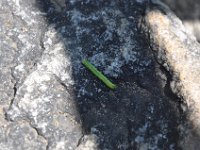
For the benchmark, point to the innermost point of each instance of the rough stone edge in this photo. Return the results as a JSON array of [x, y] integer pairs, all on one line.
[[179, 52]]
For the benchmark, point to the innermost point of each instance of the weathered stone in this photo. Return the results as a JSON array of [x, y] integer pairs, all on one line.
[[88, 142], [20, 135], [179, 53], [189, 12], [51, 99]]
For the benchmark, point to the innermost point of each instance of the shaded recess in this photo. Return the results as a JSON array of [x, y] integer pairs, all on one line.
[[139, 113], [58, 102], [185, 9]]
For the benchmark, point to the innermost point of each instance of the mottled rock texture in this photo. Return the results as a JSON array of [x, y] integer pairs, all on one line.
[[179, 53], [48, 100], [189, 12]]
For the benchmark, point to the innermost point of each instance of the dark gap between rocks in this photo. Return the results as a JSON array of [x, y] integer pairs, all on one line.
[[139, 113]]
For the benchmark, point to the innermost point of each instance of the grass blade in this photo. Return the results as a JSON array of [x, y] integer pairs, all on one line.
[[98, 74]]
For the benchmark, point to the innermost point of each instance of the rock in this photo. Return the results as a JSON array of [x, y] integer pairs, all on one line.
[[26, 76], [179, 53], [88, 142], [55, 103], [20, 135], [189, 12]]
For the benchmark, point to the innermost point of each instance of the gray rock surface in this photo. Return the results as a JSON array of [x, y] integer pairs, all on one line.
[[179, 52], [50, 101], [189, 12]]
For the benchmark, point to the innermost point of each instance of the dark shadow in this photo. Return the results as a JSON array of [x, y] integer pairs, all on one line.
[[141, 112], [185, 9]]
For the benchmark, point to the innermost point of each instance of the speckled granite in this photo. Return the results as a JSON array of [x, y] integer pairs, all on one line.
[[50, 101]]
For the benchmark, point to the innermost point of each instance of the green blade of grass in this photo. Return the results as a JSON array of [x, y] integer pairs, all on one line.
[[98, 74]]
